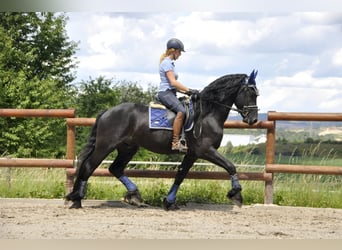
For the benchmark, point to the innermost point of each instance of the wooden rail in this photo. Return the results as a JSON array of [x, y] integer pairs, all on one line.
[[39, 163], [240, 124], [303, 169], [207, 175], [298, 116], [57, 113]]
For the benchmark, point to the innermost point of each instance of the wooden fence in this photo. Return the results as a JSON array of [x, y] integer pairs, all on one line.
[[71, 128], [266, 176], [272, 168]]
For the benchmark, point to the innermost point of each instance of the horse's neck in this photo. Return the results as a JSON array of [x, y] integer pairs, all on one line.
[[220, 109], [221, 117], [219, 113], [227, 104]]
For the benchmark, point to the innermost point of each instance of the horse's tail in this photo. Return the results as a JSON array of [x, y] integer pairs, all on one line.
[[89, 147]]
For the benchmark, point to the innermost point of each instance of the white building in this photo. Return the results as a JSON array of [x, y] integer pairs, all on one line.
[[241, 140]]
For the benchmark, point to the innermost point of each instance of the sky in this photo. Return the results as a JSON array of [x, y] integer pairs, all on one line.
[[298, 55]]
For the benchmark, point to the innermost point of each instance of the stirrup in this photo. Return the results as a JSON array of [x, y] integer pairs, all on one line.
[[179, 146]]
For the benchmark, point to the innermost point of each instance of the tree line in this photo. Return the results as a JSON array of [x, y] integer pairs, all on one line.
[[38, 66]]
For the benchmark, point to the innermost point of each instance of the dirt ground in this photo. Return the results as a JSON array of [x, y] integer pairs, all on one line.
[[51, 219]]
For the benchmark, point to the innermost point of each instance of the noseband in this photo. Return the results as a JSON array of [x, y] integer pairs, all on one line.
[[246, 110]]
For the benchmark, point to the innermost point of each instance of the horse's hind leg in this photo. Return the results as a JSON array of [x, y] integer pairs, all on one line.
[[125, 154], [85, 170]]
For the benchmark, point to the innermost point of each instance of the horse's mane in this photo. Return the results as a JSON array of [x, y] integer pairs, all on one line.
[[223, 87]]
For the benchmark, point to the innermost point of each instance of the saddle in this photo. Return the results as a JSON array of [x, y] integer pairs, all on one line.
[[160, 117]]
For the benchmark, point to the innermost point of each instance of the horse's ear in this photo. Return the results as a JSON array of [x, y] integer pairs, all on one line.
[[252, 76]]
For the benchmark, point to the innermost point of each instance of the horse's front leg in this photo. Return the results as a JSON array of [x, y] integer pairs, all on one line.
[[169, 203], [235, 193]]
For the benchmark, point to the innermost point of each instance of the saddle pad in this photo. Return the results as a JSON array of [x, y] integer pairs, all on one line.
[[161, 118], [158, 118]]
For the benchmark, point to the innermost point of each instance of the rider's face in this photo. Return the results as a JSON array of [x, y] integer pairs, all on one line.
[[177, 54]]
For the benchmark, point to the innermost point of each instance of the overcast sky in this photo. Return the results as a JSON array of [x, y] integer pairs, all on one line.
[[298, 54]]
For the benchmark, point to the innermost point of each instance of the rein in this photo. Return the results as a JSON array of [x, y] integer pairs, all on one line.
[[223, 105], [243, 112]]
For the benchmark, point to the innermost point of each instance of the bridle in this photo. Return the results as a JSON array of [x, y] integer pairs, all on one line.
[[246, 109]]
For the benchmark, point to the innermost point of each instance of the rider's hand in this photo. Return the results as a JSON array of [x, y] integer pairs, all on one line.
[[193, 92]]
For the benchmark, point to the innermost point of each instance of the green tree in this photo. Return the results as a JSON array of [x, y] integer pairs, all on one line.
[[95, 95], [38, 46], [101, 93], [132, 92], [36, 71]]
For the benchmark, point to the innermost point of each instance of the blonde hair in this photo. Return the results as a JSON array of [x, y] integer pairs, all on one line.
[[166, 54]]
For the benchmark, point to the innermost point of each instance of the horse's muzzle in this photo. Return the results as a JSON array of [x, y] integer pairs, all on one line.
[[250, 114], [250, 121]]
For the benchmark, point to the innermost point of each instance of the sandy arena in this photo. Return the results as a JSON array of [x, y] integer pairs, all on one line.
[[50, 219]]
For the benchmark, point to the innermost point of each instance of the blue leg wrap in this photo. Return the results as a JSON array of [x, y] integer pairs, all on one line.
[[235, 182], [171, 197], [128, 183]]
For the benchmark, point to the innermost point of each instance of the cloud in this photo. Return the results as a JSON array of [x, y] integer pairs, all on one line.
[[321, 18], [298, 54], [337, 58], [217, 36], [302, 92], [305, 79]]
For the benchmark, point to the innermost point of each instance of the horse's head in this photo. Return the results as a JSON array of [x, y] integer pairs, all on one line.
[[246, 99]]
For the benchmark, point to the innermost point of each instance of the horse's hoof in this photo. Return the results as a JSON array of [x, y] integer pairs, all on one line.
[[73, 196], [169, 206], [235, 196], [134, 198], [76, 204], [68, 197]]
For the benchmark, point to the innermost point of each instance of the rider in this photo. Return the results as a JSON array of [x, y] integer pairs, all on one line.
[[168, 87]]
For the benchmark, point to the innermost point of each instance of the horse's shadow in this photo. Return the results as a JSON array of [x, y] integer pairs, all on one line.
[[191, 206]]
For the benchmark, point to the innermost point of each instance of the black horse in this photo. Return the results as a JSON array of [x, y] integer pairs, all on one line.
[[126, 128]]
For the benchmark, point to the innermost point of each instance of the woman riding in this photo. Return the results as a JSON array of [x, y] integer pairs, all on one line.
[[168, 87]]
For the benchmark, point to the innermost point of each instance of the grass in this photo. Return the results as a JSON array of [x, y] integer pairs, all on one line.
[[32, 183], [308, 190], [289, 189]]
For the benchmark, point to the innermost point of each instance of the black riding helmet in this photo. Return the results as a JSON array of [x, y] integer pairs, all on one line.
[[175, 43]]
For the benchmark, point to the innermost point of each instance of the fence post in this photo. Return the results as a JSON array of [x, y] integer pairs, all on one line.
[[270, 151], [70, 154]]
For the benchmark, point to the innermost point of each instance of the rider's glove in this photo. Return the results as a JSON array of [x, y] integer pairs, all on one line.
[[193, 92]]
